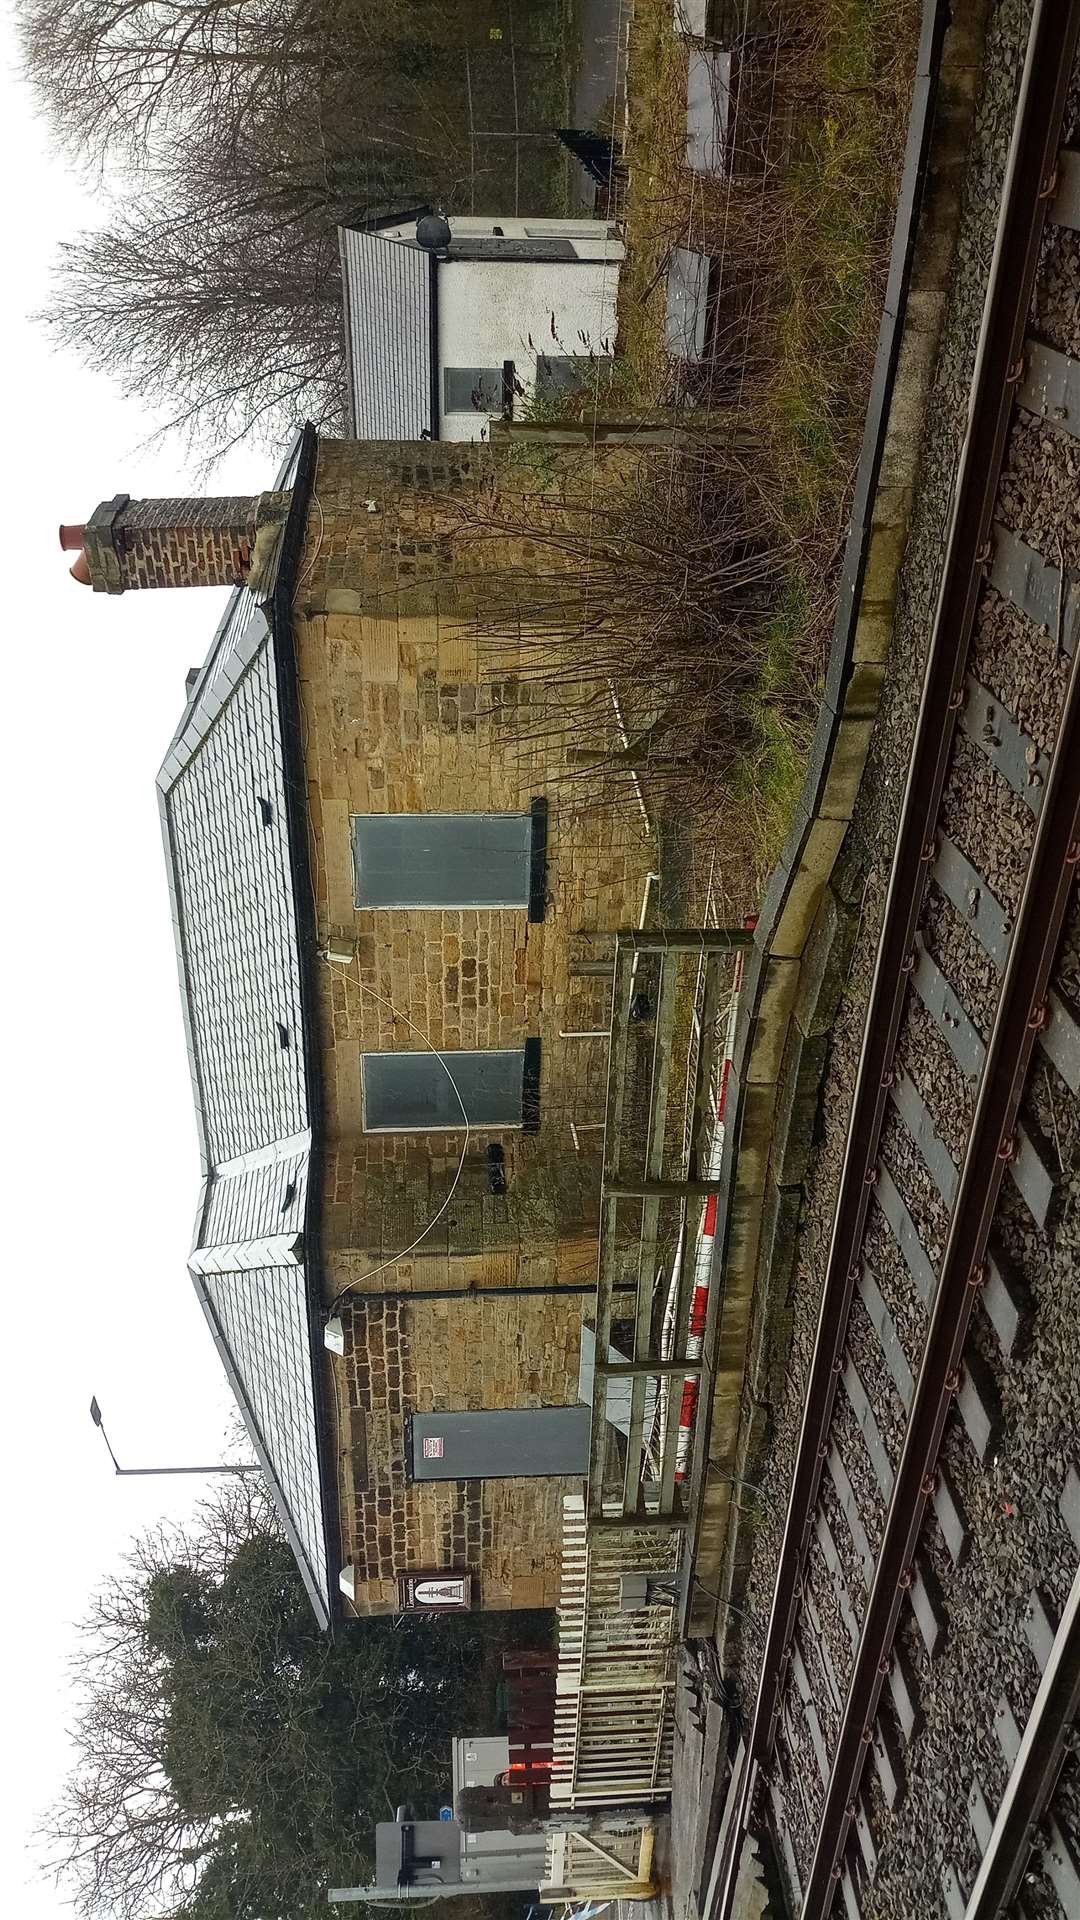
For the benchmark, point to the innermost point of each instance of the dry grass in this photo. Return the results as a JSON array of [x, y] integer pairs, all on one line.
[[657, 183], [681, 596], [803, 244]]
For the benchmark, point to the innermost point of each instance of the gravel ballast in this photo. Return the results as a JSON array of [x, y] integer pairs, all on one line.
[[1017, 1541]]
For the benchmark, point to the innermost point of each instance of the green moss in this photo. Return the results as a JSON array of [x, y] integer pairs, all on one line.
[[779, 726]]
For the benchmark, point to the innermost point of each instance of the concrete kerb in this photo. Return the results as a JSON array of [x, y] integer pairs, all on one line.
[[796, 968]]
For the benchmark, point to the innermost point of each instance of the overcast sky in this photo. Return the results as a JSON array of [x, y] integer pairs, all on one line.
[[100, 1155]]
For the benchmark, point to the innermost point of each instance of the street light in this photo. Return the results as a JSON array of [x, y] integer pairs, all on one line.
[[243, 1467]]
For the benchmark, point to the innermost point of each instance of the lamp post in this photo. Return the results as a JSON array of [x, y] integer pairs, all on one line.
[[243, 1467]]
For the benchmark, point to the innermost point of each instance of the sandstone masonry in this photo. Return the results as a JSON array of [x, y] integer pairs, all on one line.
[[460, 1266], [408, 707]]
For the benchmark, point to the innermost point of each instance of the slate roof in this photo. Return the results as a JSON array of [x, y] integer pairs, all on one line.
[[389, 300], [236, 865]]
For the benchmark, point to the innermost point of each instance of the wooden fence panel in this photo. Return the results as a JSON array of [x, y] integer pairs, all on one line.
[[609, 1865], [529, 1679]]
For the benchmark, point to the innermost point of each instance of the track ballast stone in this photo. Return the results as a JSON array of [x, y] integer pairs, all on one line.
[[985, 1652]]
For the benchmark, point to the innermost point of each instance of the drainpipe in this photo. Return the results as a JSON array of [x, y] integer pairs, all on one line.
[[472, 1292]]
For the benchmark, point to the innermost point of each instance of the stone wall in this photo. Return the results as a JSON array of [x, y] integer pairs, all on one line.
[[424, 1356], [408, 706]]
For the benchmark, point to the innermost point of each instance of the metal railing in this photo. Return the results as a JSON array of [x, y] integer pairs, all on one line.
[[646, 1267]]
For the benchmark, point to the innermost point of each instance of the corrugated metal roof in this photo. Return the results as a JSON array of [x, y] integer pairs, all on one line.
[[222, 797], [388, 323]]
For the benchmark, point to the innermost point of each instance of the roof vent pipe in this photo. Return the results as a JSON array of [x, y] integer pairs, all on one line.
[[433, 233]]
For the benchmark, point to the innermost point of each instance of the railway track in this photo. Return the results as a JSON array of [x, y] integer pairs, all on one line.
[[922, 1291]]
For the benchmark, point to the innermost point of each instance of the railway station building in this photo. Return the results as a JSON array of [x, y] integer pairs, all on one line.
[[386, 905]]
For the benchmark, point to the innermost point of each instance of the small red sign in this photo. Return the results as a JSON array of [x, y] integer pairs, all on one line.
[[433, 1447]]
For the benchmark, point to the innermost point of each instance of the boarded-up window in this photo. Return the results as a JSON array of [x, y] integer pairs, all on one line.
[[502, 1444], [558, 373], [472, 389], [442, 859], [424, 1092]]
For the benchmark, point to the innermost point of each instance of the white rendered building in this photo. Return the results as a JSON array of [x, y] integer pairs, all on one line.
[[449, 330]]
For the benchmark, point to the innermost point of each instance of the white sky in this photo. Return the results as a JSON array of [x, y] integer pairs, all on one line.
[[100, 1155]]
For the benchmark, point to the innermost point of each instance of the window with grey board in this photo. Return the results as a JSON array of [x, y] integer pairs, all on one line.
[[568, 372], [415, 1093], [442, 859], [501, 1443], [472, 389]]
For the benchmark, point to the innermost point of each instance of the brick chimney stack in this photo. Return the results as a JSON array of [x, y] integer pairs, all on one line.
[[222, 542]]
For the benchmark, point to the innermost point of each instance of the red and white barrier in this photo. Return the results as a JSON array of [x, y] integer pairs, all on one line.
[[703, 1258]]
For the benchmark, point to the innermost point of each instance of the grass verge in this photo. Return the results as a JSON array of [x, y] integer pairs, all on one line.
[[654, 156], [802, 240], [838, 200]]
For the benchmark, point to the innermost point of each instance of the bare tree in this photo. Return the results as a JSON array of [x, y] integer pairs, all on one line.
[[224, 327], [125, 78], [229, 1756], [112, 73], [229, 139], [119, 1834]]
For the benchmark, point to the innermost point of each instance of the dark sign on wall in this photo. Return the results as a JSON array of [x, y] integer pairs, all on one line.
[[435, 1592]]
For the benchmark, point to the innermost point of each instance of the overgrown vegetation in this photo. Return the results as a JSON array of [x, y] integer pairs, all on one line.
[[230, 1758], [798, 230], [646, 613], [213, 290], [655, 156], [838, 199]]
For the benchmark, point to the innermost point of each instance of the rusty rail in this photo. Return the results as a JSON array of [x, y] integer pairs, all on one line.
[[1035, 1772], [1036, 136], [1021, 1013]]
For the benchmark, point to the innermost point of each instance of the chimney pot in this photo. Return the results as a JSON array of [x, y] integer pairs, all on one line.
[[225, 541]]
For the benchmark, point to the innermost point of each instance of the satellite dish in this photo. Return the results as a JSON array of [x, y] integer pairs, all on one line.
[[432, 233]]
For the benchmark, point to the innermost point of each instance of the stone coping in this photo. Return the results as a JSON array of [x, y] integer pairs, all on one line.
[[796, 968]]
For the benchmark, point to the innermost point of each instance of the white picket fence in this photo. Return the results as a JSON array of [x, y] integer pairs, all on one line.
[[615, 1687]]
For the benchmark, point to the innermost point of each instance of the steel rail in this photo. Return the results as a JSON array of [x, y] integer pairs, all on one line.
[[1034, 1772], [1051, 872], [1021, 1014], [1036, 136]]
